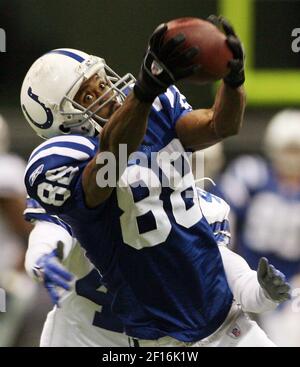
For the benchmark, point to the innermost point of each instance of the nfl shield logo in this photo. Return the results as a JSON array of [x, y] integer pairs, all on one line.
[[235, 332]]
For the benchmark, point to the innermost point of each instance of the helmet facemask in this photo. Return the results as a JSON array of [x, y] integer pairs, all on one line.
[[83, 118]]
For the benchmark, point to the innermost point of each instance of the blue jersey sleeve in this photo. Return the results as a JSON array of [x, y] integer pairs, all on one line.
[[54, 170], [174, 104], [35, 212]]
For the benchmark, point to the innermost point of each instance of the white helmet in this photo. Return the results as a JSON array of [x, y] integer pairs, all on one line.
[[282, 135], [49, 88], [4, 135]]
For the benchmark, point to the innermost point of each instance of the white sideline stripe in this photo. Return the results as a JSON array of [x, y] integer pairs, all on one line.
[[71, 139], [67, 152]]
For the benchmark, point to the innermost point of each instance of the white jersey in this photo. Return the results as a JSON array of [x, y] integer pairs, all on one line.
[[12, 170], [78, 320], [73, 324]]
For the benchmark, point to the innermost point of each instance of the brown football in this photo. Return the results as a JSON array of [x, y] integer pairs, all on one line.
[[214, 53]]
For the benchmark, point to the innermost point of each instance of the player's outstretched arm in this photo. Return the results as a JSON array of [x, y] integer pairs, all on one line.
[[254, 291], [126, 126], [160, 68], [48, 245], [204, 127]]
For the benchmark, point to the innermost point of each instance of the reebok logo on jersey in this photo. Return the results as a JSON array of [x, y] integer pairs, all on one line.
[[35, 174]]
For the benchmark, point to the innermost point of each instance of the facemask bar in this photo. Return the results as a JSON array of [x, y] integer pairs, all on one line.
[[80, 115], [119, 89]]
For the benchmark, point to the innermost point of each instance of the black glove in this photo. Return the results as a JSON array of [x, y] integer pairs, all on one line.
[[272, 282], [236, 76], [163, 65]]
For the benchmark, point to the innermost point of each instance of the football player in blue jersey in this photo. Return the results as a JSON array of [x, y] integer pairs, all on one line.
[[264, 195], [156, 253], [86, 307]]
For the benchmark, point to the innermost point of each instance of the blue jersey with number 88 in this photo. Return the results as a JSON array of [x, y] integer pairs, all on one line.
[[155, 250]]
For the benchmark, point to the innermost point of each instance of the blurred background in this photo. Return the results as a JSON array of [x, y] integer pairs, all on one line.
[[246, 168]]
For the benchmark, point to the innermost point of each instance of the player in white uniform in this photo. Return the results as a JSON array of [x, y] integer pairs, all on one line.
[[83, 318], [14, 232], [12, 191], [72, 324]]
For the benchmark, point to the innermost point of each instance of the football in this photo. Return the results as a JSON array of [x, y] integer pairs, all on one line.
[[214, 54]]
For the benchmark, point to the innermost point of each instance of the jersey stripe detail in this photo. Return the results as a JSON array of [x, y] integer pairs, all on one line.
[[60, 139], [34, 210], [67, 152], [34, 216], [157, 104], [170, 96]]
